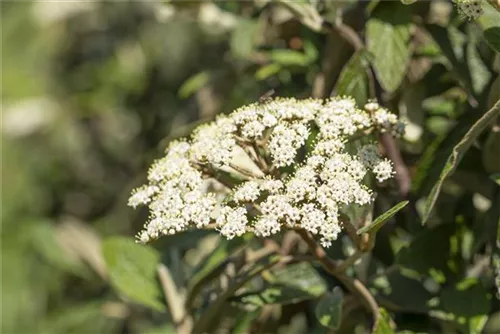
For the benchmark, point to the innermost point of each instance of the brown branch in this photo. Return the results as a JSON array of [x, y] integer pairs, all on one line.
[[354, 285], [402, 173], [346, 32], [207, 318]]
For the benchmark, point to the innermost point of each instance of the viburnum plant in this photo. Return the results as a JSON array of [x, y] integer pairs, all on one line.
[[282, 164]]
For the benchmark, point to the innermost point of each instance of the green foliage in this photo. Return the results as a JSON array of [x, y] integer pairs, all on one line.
[[433, 252], [492, 36], [382, 219], [329, 309], [289, 285], [388, 34], [94, 92], [353, 80], [132, 270], [457, 154], [466, 304], [384, 324]]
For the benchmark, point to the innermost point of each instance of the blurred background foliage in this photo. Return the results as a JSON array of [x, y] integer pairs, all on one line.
[[93, 91]]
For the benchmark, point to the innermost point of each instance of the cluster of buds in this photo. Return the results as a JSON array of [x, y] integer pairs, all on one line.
[[282, 164], [469, 9]]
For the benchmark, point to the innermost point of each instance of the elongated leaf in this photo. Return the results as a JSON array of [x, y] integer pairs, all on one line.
[[329, 309], [377, 223], [384, 323], [132, 270], [457, 154], [193, 84], [353, 80], [288, 57], [388, 34], [479, 73], [492, 36]]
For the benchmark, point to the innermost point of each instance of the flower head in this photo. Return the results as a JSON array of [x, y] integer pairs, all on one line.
[[303, 185]]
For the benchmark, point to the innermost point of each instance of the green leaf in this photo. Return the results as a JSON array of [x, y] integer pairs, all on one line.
[[288, 57], [289, 285], [432, 252], [388, 34], [132, 270], [243, 38], [81, 318], [275, 294], [353, 80], [267, 70], [403, 290], [496, 178], [301, 276], [408, 2], [305, 13], [377, 223], [193, 84], [329, 309], [44, 241], [492, 37], [384, 323], [479, 73], [212, 264], [467, 304], [457, 154]]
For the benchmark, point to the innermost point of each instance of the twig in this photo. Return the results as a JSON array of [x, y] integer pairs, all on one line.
[[207, 318], [350, 260], [348, 33], [402, 174], [175, 301], [352, 284]]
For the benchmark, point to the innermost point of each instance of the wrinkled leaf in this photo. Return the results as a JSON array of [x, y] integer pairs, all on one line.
[[291, 284], [302, 276], [479, 73], [457, 154], [377, 223], [492, 36], [467, 304], [329, 309], [353, 80], [388, 34], [305, 13], [432, 251], [402, 290], [275, 294], [132, 270]]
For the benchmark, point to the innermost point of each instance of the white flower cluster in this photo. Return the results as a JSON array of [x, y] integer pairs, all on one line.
[[329, 174], [470, 9]]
